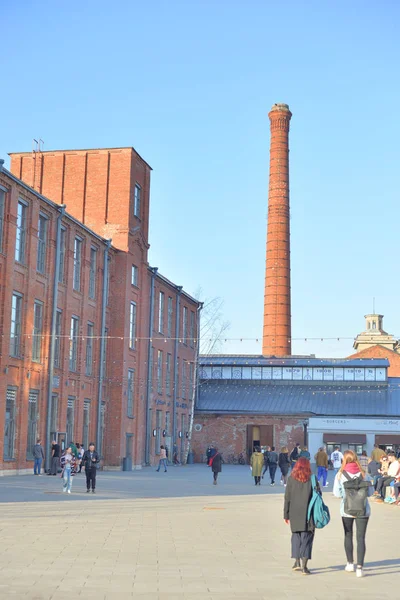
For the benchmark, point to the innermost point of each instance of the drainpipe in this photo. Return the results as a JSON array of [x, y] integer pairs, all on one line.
[[195, 383], [104, 300], [53, 335], [149, 368], [177, 320]]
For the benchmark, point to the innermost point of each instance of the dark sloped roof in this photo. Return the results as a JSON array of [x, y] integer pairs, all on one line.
[[304, 361], [296, 399]]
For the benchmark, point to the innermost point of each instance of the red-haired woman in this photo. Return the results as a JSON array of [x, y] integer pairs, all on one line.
[[297, 497]]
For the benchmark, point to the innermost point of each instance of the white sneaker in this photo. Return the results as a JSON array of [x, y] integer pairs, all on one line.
[[326, 485], [349, 568], [64, 490], [359, 572], [69, 491]]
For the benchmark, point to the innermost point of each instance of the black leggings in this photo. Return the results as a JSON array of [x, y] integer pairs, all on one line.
[[361, 530], [215, 475]]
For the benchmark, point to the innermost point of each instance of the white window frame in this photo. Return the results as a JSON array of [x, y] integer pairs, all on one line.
[[132, 325]]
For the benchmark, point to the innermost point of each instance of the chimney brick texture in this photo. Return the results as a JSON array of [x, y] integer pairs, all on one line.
[[277, 317]]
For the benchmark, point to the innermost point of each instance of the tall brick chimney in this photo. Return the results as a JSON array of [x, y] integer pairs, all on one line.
[[277, 317]]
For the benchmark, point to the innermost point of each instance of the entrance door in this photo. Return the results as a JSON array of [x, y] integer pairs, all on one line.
[[259, 435]]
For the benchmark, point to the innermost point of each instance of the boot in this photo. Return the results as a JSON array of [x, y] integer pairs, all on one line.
[[304, 569], [296, 566]]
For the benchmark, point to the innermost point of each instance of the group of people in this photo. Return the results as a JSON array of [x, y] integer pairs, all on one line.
[[70, 462], [384, 471]]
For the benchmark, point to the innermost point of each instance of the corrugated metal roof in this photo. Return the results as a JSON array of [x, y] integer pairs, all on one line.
[[248, 360], [300, 399]]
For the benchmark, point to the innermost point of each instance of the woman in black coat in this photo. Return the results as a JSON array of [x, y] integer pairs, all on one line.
[[284, 464], [216, 465], [298, 494]]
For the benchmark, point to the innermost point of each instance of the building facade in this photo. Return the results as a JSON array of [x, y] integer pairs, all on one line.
[[80, 332], [248, 401]]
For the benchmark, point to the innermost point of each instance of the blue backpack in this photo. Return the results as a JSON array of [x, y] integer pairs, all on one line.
[[317, 510]]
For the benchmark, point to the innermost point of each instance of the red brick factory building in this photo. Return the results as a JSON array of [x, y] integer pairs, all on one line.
[[94, 343], [280, 399]]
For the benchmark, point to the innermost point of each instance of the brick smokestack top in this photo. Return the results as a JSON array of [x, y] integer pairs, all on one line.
[[277, 318]]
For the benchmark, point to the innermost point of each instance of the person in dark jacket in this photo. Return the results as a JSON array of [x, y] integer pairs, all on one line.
[[55, 457], [298, 494], [216, 465], [267, 452], [294, 455], [273, 464], [284, 464], [90, 461], [38, 456]]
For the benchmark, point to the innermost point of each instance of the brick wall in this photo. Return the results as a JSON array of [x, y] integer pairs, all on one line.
[[229, 433], [381, 352]]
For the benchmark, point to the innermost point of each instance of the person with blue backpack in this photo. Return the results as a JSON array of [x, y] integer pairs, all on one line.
[[353, 487], [303, 509]]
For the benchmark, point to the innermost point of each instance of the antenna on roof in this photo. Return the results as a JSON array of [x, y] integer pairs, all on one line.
[[41, 144]]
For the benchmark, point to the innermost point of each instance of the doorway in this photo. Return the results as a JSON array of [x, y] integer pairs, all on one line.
[[259, 435]]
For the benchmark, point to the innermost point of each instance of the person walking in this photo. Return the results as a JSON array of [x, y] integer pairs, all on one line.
[[216, 465], [68, 466], [256, 462], [364, 460], [351, 469], [294, 455], [336, 459], [55, 457], [284, 464], [266, 460], [38, 457], [90, 460], [321, 459], [305, 453], [377, 453], [273, 464], [298, 494], [81, 455], [163, 459]]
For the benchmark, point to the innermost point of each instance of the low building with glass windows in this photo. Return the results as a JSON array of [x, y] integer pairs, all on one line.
[[248, 401]]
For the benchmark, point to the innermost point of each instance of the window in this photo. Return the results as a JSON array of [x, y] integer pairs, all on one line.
[[77, 263], [168, 375], [169, 317], [86, 423], [184, 379], [92, 273], [2, 205], [137, 207], [16, 315], [42, 243], [37, 331], [61, 266], [9, 424], [158, 431], [191, 382], [131, 390], [32, 422], [168, 422], [20, 239], [159, 371], [373, 324], [73, 343], [57, 346], [70, 419], [54, 413], [135, 275], [132, 325], [89, 350], [184, 324], [191, 334], [161, 313]]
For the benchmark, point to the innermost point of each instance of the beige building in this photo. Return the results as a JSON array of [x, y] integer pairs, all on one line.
[[374, 334]]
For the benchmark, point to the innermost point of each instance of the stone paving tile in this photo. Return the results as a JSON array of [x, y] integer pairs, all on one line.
[[173, 549]]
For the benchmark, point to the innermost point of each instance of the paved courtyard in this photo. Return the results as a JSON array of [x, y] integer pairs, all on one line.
[[174, 536]]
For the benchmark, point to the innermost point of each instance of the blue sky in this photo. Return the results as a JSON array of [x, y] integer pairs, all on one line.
[[189, 84]]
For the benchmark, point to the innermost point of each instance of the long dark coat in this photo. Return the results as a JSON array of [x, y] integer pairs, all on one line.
[[284, 462], [297, 498], [217, 463]]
